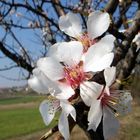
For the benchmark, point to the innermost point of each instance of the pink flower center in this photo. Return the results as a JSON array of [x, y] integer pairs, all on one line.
[[86, 41], [74, 75]]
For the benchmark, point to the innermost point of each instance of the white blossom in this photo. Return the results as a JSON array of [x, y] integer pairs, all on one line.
[[66, 68], [69, 66], [107, 104], [98, 23], [48, 108]]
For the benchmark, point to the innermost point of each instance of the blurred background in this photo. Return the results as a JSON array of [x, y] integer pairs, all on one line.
[[28, 28]]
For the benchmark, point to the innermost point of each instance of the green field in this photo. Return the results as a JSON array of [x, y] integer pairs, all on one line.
[[20, 99], [20, 116]]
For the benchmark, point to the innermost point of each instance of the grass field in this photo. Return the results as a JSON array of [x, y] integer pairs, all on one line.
[[20, 99], [20, 116], [20, 120]]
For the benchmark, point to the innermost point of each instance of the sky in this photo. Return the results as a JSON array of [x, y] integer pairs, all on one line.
[[10, 78], [13, 77], [31, 43]]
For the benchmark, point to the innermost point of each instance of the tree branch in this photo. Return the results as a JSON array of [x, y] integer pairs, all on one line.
[[17, 59], [111, 6], [127, 66], [57, 6], [130, 34]]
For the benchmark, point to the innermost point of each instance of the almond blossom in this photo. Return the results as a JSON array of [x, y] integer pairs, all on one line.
[[42, 84], [69, 68], [97, 23], [48, 108], [106, 104], [66, 69]]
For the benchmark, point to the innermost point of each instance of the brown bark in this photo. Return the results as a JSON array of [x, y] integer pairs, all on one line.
[[17, 59]]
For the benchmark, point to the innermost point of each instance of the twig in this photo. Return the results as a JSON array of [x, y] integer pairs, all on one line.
[[49, 133]]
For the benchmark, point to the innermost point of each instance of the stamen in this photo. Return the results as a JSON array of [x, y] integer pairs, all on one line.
[[86, 41], [74, 75], [108, 99]]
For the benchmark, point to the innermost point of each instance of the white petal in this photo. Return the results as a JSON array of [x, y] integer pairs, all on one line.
[[95, 114], [47, 109], [68, 109], [70, 24], [102, 63], [98, 50], [137, 41], [63, 120], [92, 56], [137, 38], [124, 103], [107, 90], [68, 52], [66, 91], [102, 47], [51, 68], [106, 44], [110, 75], [90, 91], [53, 49], [110, 123], [42, 84], [98, 22], [37, 86], [64, 126], [138, 47]]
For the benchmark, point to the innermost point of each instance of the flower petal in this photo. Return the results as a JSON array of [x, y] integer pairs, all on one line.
[[137, 41], [106, 44], [41, 83], [95, 114], [51, 68], [98, 22], [68, 109], [110, 75], [66, 91], [64, 126], [70, 24], [102, 63], [53, 49], [110, 123], [47, 109], [37, 86], [90, 91], [68, 52], [124, 103], [98, 50]]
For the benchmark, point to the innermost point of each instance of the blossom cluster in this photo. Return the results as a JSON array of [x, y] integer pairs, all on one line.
[[72, 65]]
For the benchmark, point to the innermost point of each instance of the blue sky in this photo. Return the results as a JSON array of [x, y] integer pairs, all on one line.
[[26, 37], [31, 43]]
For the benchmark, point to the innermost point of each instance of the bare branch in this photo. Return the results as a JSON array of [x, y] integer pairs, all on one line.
[[130, 34], [17, 59], [111, 6]]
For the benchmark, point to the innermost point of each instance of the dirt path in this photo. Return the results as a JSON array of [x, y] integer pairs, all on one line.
[[19, 105]]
